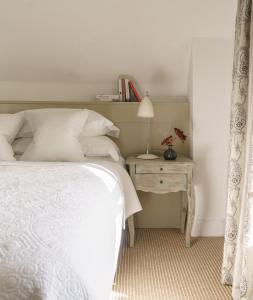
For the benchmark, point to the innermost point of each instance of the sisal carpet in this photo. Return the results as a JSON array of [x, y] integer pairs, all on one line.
[[159, 267]]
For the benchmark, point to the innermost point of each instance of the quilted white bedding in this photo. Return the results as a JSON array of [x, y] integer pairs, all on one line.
[[60, 230]]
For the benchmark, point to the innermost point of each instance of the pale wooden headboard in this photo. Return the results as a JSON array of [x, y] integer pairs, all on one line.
[[133, 129]]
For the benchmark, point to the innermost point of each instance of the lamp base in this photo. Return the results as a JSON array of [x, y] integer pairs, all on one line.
[[147, 156]]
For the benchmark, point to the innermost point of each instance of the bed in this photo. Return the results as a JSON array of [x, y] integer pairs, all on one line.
[[61, 221]]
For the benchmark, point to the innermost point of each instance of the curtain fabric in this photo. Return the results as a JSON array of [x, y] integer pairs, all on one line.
[[237, 267]]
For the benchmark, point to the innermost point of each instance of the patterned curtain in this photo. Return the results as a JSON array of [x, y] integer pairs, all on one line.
[[238, 249]]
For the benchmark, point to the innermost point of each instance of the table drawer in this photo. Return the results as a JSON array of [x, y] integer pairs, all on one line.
[[160, 169], [160, 183]]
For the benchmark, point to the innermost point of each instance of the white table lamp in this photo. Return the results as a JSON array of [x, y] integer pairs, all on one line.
[[146, 110]]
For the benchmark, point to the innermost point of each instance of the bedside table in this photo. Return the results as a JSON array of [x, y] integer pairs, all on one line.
[[165, 176]]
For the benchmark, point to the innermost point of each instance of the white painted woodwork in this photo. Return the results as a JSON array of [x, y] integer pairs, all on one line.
[[160, 168], [183, 212], [161, 176], [160, 183]]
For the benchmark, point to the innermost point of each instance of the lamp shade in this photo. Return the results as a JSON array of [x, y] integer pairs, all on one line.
[[145, 109]]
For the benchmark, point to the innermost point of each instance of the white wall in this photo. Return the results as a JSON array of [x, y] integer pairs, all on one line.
[[71, 50], [210, 101], [62, 49]]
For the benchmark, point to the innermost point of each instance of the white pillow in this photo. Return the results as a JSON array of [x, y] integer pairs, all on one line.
[[91, 146], [100, 146], [6, 152], [56, 138], [96, 124], [10, 124], [40, 116]]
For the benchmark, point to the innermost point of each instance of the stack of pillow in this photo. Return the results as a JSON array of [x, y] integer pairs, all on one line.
[[56, 135]]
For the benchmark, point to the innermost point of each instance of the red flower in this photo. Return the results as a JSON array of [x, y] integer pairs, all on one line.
[[180, 134], [168, 140]]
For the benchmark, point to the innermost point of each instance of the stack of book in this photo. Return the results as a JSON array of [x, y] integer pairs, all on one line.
[[127, 92]]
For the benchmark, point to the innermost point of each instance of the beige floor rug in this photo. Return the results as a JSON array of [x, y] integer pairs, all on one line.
[[159, 267]]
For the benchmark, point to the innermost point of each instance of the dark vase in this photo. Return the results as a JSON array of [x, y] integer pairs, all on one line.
[[170, 154]]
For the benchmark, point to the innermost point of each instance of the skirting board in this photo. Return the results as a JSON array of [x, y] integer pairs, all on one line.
[[208, 227]]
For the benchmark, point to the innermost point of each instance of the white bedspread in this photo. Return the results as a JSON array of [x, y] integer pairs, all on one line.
[[60, 228]]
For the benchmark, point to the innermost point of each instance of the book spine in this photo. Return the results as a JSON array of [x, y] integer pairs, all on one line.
[[136, 94], [123, 89], [127, 90], [120, 90]]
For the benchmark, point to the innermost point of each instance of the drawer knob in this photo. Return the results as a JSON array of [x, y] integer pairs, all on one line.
[[161, 169], [161, 181]]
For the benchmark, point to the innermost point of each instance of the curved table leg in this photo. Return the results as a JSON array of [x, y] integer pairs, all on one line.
[[183, 212], [191, 208]]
